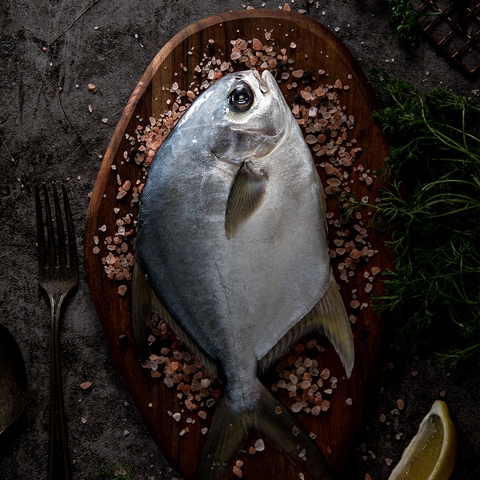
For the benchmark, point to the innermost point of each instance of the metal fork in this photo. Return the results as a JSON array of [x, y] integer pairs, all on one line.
[[58, 275]]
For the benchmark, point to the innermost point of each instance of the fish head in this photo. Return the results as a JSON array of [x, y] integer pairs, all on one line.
[[245, 116], [254, 119]]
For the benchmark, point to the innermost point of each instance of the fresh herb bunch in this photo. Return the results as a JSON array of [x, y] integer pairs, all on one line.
[[431, 213], [404, 18]]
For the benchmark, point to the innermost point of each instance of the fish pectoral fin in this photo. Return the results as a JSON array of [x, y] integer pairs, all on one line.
[[144, 302], [329, 315], [246, 194], [272, 420]]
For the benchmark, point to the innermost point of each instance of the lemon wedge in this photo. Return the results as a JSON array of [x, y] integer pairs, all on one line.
[[432, 452]]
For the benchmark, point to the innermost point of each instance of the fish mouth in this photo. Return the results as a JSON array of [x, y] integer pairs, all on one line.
[[267, 85], [262, 80], [275, 137]]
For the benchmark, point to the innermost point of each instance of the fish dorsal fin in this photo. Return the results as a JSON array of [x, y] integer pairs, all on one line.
[[329, 315], [245, 196], [144, 303]]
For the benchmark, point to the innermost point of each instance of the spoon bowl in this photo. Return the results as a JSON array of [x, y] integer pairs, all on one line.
[[13, 379]]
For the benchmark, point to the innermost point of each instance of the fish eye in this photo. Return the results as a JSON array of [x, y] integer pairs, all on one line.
[[241, 97]]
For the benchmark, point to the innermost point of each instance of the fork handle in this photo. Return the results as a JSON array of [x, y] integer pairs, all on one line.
[[58, 456]]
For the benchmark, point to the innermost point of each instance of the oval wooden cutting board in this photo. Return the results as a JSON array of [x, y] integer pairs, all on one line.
[[358, 253]]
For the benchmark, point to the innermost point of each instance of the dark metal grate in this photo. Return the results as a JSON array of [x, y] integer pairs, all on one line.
[[454, 27]]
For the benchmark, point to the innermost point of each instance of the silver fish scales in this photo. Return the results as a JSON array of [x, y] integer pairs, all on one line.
[[232, 252]]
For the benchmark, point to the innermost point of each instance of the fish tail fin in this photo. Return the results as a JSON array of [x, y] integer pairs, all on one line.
[[272, 420], [227, 433], [277, 424]]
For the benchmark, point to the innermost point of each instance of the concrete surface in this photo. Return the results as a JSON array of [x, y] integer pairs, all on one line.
[[48, 135]]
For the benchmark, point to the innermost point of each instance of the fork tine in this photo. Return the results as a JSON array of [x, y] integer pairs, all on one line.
[[50, 231], [40, 231], [70, 231], [62, 253]]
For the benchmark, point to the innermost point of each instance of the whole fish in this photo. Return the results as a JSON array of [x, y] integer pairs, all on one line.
[[232, 252]]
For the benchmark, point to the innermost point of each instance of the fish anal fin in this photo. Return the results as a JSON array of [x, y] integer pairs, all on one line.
[[144, 303], [245, 196], [332, 317], [272, 420], [329, 315], [140, 311]]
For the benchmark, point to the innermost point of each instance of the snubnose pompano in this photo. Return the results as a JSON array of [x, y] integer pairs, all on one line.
[[232, 252]]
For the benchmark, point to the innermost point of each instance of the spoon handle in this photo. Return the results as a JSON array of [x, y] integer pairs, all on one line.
[[58, 456]]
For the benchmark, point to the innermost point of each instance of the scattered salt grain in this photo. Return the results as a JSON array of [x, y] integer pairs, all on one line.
[[237, 471], [297, 407], [325, 373], [259, 445], [325, 405]]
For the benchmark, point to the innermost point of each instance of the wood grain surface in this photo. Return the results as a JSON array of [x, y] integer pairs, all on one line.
[[317, 48]]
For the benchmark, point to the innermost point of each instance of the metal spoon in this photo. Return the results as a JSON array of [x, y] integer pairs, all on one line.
[[13, 379]]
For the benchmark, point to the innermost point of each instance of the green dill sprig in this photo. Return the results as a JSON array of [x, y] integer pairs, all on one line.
[[404, 18], [431, 213]]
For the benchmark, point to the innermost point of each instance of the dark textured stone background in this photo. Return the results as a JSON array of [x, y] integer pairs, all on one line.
[[47, 135]]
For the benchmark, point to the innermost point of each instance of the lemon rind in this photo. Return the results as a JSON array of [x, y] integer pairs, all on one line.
[[447, 456]]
